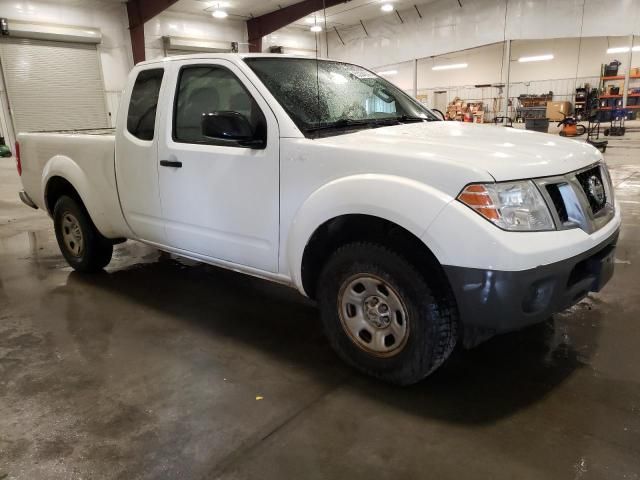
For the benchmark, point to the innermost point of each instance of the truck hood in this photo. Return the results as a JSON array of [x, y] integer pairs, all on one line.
[[504, 153]]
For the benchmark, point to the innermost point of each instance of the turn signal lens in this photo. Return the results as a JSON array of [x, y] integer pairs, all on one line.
[[516, 206], [477, 197]]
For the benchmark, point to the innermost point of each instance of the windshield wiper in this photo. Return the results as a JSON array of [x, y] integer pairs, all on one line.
[[368, 122], [343, 122], [408, 118]]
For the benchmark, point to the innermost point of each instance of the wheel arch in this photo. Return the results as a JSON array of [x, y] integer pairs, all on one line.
[[56, 187], [349, 228], [389, 203], [62, 175]]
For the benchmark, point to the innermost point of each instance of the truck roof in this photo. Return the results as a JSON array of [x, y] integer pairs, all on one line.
[[230, 56]]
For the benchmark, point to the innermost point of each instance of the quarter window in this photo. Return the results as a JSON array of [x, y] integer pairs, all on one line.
[[141, 118], [207, 89]]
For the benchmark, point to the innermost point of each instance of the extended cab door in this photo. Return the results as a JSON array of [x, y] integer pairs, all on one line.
[[137, 155], [220, 198]]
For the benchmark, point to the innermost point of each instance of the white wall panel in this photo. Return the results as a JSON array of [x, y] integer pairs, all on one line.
[[400, 74], [484, 66], [294, 40], [191, 26], [113, 104], [446, 27]]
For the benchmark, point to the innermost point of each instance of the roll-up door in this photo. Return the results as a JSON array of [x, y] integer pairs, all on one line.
[[53, 85]]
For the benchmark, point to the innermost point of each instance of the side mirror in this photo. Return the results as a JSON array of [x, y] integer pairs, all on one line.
[[230, 126]]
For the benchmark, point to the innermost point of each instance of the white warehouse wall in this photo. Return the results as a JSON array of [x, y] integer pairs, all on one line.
[[447, 27], [296, 41], [201, 27], [485, 66]]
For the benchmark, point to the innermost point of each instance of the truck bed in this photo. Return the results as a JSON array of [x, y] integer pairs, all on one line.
[[87, 156]]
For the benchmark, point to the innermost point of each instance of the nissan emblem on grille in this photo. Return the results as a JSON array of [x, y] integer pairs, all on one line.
[[596, 189]]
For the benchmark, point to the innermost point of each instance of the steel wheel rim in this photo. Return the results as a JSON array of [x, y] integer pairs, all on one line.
[[373, 315], [72, 234]]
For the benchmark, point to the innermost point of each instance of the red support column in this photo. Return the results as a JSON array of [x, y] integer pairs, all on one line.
[[139, 12], [137, 43], [255, 45], [258, 27]]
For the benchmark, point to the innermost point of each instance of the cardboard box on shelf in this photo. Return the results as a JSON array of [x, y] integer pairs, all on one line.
[[556, 111], [635, 71]]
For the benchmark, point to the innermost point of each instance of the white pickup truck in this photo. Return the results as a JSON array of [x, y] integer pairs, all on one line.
[[411, 233]]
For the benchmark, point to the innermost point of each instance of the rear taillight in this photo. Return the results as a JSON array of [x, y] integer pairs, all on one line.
[[18, 162]]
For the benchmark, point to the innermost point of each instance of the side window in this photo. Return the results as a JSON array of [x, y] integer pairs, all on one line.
[[141, 118], [203, 90]]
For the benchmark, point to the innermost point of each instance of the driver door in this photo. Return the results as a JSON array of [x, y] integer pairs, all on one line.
[[219, 200]]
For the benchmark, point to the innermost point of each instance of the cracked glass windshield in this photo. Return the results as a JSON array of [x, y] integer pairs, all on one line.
[[325, 97]]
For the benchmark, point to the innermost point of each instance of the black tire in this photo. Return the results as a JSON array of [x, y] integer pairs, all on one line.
[[431, 313], [96, 250]]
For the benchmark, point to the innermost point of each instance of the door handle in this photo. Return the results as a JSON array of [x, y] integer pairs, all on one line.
[[170, 163]]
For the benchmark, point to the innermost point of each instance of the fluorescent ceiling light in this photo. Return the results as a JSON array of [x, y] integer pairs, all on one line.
[[387, 7], [219, 13], [388, 72], [452, 66], [316, 28], [310, 20], [623, 49], [536, 58]]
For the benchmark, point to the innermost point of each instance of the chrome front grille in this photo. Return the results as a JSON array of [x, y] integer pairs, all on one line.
[[581, 199]]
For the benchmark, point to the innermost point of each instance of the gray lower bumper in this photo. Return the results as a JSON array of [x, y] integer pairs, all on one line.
[[26, 199], [491, 301]]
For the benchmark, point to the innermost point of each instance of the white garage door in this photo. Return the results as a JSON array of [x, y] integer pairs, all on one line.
[[53, 85]]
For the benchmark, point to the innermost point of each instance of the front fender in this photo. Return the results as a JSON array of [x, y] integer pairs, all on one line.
[[403, 201]]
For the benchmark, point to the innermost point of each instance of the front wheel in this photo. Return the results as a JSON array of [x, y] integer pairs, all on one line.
[[384, 317], [84, 248]]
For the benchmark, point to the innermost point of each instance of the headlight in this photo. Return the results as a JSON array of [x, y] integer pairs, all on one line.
[[516, 206]]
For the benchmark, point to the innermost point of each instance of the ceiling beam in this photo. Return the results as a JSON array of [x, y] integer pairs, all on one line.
[[258, 27], [139, 12]]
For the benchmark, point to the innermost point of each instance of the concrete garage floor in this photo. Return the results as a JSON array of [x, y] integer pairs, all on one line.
[[162, 368]]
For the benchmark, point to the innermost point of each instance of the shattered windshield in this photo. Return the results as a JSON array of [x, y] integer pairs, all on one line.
[[323, 96]]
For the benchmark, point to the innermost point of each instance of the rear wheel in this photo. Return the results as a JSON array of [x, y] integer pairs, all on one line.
[[384, 317], [84, 248]]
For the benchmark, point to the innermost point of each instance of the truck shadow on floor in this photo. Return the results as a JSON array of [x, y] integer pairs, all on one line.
[[506, 374]]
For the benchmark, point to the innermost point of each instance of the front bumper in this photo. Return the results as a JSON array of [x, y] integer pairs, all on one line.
[[495, 301]]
